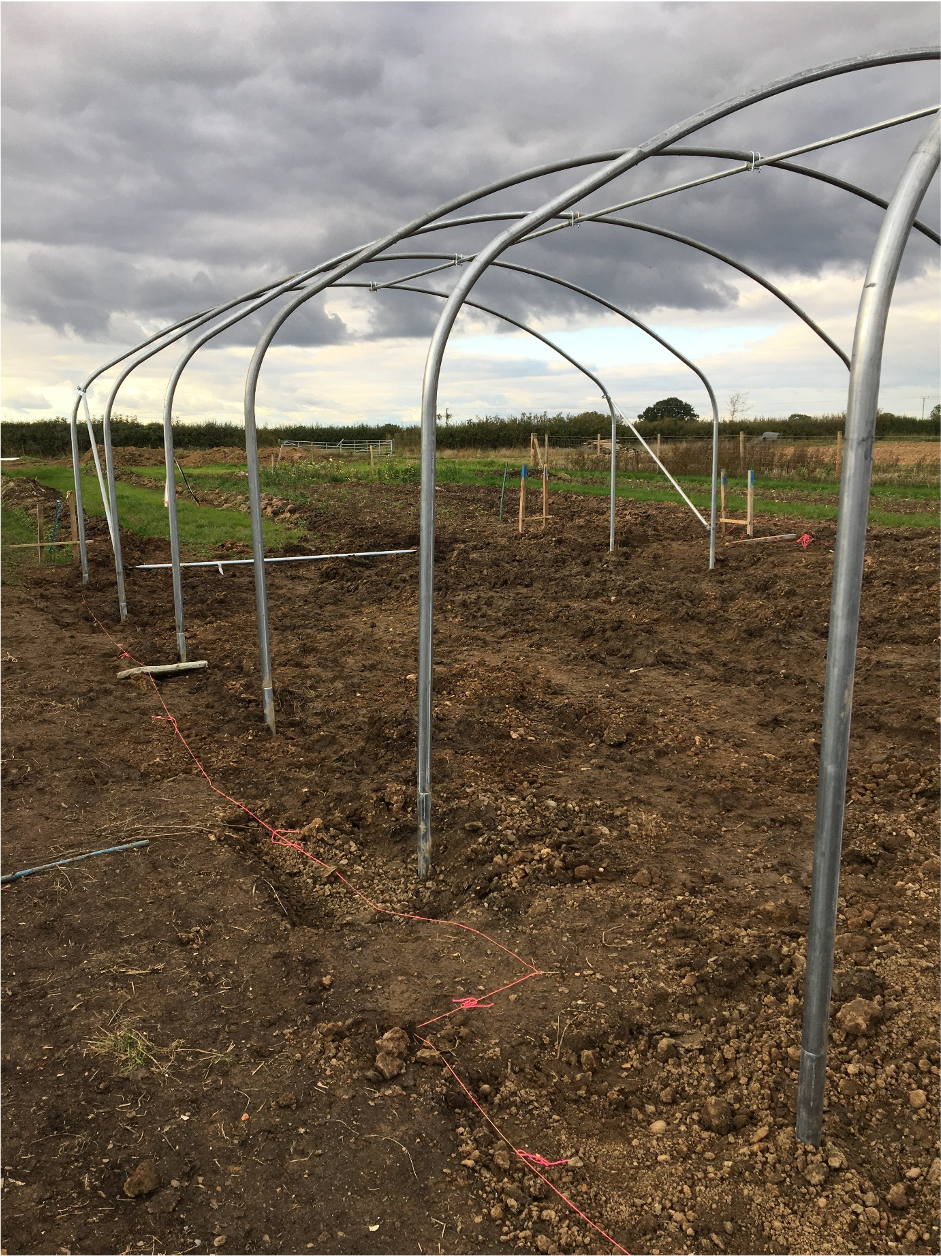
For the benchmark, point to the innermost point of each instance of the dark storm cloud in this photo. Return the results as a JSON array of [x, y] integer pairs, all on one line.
[[159, 157]]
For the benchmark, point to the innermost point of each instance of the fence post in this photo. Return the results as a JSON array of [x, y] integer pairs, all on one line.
[[750, 514], [723, 482], [545, 497], [598, 444], [545, 456], [522, 495], [741, 452], [658, 446]]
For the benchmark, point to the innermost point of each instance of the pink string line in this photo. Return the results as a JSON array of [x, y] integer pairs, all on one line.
[[527, 1158], [469, 1002]]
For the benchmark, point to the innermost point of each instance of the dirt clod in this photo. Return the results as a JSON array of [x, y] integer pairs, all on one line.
[[144, 1179], [859, 1016]]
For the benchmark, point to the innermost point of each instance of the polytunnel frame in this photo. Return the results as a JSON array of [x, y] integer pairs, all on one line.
[[851, 532], [850, 544], [278, 287]]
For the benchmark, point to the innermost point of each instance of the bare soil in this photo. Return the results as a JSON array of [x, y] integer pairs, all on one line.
[[625, 770]]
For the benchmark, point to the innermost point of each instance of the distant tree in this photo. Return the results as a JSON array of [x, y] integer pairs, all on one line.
[[668, 408], [738, 406], [797, 418], [935, 414]]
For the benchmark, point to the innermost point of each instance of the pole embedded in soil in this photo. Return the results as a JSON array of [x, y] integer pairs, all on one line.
[[750, 511], [522, 496], [40, 534], [849, 555], [506, 467], [614, 457], [258, 554], [724, 482], [545, 497]]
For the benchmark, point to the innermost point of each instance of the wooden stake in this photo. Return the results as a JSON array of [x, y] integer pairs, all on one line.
[[73, 525], [522, 495], [372, 459], [750, 515], [839, 455], [545, 458], [741, 452], [658, 444], [598, 444], [723, 479], [39, 531], [545, 497]]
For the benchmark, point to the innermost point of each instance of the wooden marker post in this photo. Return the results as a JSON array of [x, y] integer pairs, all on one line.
[[372, 458], [741, 452], [750, 512], [598, 444], [839, 455], [545, 457], [723, 481], [545, 497], [658, 445], [73, 525], [522, 495]]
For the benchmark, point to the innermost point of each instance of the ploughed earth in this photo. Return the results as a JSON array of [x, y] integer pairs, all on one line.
[[212, 1043]]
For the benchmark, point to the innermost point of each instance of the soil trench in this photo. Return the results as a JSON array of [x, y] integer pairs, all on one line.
[[625, 765]]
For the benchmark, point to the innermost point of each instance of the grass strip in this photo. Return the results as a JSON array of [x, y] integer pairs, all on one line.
[[141, 510]]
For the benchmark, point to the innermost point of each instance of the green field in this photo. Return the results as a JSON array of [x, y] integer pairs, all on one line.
[[141, 510], [203, 527], [802, 499]]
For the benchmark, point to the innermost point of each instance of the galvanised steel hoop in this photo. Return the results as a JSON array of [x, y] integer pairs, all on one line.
[[864, 380], [756, 162]]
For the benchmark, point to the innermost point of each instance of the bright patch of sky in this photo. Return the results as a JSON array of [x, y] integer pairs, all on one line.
[[619, 346]]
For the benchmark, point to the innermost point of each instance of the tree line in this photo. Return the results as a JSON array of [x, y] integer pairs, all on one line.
[[49, 438]]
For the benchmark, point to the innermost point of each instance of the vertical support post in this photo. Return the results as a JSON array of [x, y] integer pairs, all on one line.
[[722, 508], [713, 475], [658, 446], [115, 528], [522, 495], [506, 467], [849, 555], [598, 445], [73, 526], [258, 553], [372, 460], [105, 495], [614, 455], [545, 498], [750, 511], [40, 533], [77, 482], [545, 456], [426, 591], [170, 503], [838, 469], [741, 452]]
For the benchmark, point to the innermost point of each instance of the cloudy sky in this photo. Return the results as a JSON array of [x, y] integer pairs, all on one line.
[[160, 158]]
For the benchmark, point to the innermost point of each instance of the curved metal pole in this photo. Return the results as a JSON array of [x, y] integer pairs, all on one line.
[[631, 318], [73, 431], [439, 339], [844, 622], [198, 320]]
